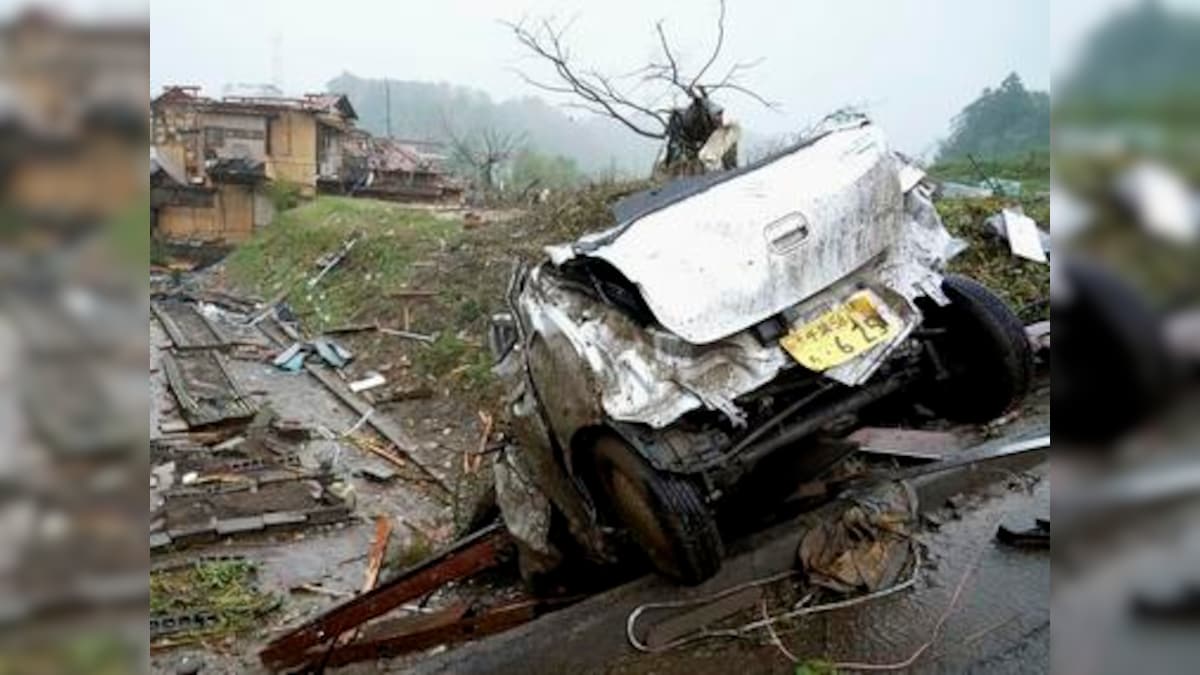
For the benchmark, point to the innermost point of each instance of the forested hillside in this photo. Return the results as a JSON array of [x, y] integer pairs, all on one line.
[[1006, 122], [423, 110]]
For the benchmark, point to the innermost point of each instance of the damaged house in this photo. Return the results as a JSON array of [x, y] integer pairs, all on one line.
[[398, 170], [62, 129], [216, 156]]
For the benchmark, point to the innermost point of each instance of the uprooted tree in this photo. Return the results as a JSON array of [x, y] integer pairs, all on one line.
[[636, 99]]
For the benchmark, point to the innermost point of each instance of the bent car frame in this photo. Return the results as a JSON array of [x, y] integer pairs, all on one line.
[[724, 320]]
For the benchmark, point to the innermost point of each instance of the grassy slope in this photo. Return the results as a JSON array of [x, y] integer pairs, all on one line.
[[402, 248], [285, 255]]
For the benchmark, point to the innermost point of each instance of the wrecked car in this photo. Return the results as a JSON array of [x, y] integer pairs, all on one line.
[[725, 320]]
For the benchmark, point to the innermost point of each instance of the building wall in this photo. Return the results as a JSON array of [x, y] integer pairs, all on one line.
[[232, 135], [293, 150], [229, 219], [175, 131], [330, 150], [81, 182]]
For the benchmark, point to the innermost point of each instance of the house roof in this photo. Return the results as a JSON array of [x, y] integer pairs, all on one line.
[[332, 104], [389, 154]]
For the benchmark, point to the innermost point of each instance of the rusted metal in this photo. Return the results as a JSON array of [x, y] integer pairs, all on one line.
[[448, 627], [483, 550]]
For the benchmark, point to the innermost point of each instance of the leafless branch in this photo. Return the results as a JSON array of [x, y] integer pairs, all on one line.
[[716, 48], [773, 105], [547, 43], [670, 72], [636, 98]]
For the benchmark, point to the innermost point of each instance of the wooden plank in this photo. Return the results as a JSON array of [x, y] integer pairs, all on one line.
[[235, 405], [202, 334], [168, 324], [383, 531]]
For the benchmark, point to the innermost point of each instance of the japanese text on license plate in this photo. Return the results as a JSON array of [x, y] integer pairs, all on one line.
[[841, 333]]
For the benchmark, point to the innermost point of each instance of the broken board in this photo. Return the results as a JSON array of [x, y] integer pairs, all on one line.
[[207, 393], [188, 328]]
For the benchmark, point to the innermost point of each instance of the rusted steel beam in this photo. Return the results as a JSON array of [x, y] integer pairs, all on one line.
[[448, 627], [483, 550]]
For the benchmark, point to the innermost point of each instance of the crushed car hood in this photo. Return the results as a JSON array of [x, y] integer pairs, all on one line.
[[724, 254]]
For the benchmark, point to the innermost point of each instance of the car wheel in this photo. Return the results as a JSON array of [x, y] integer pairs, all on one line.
[[664, 513], [984, 356]]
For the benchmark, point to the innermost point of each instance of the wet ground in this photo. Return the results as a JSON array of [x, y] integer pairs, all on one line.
[[1001, 625], [329, 557]]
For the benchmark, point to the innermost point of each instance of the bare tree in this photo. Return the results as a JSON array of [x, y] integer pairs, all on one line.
[[484, 150], [642, 100]]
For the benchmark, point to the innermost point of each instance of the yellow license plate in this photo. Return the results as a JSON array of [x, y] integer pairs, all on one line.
[[840, 334]]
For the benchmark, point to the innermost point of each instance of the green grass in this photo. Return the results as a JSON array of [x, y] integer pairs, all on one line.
[[1023, 284], [391, 239], [1032, 169], [226, 588]]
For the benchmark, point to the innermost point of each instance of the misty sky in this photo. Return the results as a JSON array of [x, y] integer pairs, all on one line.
[[912, 65]]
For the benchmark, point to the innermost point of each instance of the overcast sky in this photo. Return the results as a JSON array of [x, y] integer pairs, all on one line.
[[912, 64]]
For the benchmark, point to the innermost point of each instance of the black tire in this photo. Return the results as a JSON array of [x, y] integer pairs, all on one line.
[[1111, 365], [983, 349], [664, 513]]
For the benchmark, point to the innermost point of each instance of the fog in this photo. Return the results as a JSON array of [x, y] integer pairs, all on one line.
[[912, 65]]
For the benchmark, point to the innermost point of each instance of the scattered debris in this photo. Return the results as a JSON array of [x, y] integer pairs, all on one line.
[[428, 339], [207, 393], [480, 551], [383, 531], [187, 327], [869, 546], [371, 381], [1024, 237], [384, 425], [378, 474], [472, 460], [287, 358], [1181, 603], [1037, 536], [405, 394], [330, 261], [1039, 337], [1162, 202], [320, 590], [952, 190], [331, 352]]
